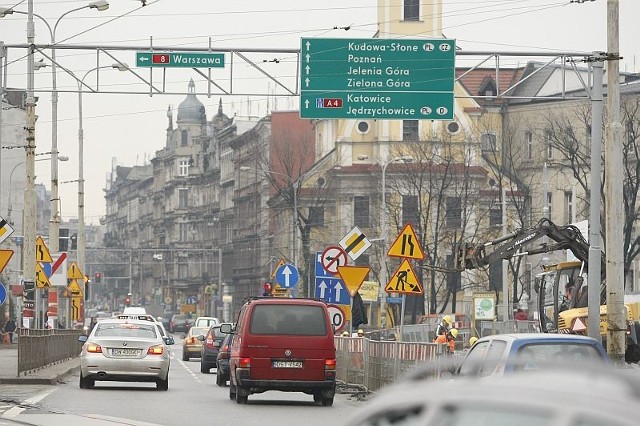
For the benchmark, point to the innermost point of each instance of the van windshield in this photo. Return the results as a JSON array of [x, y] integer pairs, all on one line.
[[302, 320]]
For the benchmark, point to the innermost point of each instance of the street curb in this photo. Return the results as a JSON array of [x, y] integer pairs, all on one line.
[[26, 380]]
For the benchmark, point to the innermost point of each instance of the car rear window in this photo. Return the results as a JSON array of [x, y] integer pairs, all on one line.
[[125, 330], [304, 320], [532, 356], [196, 331]]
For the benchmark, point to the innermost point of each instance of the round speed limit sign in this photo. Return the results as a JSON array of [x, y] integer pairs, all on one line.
[[337, 316]]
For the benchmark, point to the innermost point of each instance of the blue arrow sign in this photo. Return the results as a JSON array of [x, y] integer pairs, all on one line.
[[3, 294], [287, 275], [332, 290]]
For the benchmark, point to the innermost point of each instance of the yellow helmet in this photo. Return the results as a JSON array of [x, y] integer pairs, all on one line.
[[345, 334], [473, 340], [446, 319], [454, 332], [360, 332]]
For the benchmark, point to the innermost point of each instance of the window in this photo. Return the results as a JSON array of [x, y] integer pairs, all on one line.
[[495, 276], [495, 216], [549, 143], [316, 216], [411, 10], [568, 206], [361, 211], [183, 168], [528, 140], [410, 130], [184, 137], [183, 193], [454, 212], [488, 142], [288, 319], [549, 203], [182, 230], [410, 209], [630, 131], [454, 279]]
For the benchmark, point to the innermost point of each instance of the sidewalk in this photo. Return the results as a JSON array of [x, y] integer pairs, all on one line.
[[49, 375]]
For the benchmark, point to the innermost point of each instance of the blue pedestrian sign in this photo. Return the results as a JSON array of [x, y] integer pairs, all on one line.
[[287, 275]]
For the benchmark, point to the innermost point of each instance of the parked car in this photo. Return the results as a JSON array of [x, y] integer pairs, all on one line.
[[212, 342], [282, 344], [503, 354], [222, 361], [205, 322], [191, 345], [125, 350], [597, 396], [179, 322]]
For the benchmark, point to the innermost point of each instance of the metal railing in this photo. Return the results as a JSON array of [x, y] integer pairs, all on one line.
[[40, 348]]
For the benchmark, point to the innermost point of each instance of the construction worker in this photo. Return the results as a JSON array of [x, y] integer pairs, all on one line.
[[443, 326], [472, 340], [448, 338]]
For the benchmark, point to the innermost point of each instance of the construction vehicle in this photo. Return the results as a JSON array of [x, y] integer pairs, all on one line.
[[561, 288]]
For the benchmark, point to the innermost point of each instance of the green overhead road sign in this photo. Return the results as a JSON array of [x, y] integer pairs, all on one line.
[[179, 60], [377, 78]]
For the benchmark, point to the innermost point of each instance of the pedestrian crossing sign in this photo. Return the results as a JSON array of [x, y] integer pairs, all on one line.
[[404, 280]]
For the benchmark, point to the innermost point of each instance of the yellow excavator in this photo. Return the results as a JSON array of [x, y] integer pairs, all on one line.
[[561, 288]]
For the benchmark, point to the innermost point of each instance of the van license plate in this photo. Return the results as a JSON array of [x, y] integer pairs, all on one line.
[[287, 364]]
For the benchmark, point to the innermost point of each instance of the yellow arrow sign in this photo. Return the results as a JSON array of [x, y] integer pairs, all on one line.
[[75, 288], [76, 305], [353, 276], [42, 251], [5, 256], [74, 272], [406, 245], [42, 281], [404, 280]]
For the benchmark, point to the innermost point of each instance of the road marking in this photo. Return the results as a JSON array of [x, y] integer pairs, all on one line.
[[15, 411], [194, 375]]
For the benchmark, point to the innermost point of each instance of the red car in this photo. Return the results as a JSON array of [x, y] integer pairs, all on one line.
[[282, 344]]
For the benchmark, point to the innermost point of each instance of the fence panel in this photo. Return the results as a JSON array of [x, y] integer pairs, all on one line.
[[39, 348]]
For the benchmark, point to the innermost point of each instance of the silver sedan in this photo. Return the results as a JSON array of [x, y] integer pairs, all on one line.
[[125, 350]]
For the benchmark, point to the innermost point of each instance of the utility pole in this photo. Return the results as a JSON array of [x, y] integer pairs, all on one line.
[[595, 252], [29, 225], [613, 166]]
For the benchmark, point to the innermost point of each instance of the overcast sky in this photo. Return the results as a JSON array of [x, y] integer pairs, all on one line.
[[131, 128]]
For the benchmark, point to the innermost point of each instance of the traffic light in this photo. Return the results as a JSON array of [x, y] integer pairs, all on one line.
[[97, 277], [87, 281], [267, 288], [127, 301]]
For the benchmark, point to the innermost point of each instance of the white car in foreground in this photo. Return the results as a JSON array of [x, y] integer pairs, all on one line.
[[125, 350]]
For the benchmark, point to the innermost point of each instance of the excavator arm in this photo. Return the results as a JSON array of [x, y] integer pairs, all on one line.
[[521, 242]]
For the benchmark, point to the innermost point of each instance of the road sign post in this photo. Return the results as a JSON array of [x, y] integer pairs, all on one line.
[[377, 78]]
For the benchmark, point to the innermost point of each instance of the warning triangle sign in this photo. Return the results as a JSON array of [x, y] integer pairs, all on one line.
[[5, 256], [74, 272], [406, 245], [42, 251], [578, 325], [75, 288], [42, 281], [404, 280], [353, 277]]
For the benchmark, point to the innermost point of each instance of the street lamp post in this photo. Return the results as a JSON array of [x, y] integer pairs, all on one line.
[[384, 231], [81, 221], [54, 222]]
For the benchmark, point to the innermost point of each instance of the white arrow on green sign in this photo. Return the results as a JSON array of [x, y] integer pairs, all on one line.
[[179, 60], [377, 78]]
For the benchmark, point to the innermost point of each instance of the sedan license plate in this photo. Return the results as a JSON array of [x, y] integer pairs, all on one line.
[[125, 352], [287, 364]]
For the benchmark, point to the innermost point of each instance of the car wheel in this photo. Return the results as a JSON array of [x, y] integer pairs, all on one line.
[[204, 368], [86, 383], [317, 397], [163, 385], [327, 402], [219, 381], [232, 391], [185, 356], [242, 396]]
